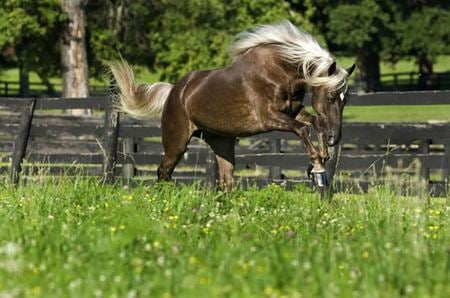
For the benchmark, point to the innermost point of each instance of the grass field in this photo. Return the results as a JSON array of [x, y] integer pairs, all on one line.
[[439, 113], [80, 239]]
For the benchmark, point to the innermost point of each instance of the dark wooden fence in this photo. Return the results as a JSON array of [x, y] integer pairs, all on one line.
[[36, 136]]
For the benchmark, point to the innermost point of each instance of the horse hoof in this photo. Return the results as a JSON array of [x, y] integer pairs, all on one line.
[[321, 179]]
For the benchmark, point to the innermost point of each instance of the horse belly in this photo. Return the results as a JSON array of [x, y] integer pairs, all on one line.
[[218, 102], [227, 120]]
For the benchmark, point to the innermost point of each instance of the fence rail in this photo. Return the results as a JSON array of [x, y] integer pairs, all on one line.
[[111, 146]]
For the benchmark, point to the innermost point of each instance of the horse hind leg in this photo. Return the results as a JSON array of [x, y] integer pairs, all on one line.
[[223, 148], [175, 138]]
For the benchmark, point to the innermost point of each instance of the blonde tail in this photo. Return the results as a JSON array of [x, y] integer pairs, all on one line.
[[142, 101]]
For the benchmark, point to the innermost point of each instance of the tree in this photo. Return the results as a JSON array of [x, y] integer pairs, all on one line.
[[363, 29], [73, 50], [120, 26], [423, 34], [29, 31], [194, 34]]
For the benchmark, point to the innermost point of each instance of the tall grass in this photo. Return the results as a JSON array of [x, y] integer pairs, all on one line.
[[78, 238]]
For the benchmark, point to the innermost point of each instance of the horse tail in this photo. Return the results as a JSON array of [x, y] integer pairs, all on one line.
[[139, 101]]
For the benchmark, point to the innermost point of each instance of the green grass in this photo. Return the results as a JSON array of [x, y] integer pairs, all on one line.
[[429, 113], [142, 75], [13, 76], [441, 64], [80, 239], [439, 113]]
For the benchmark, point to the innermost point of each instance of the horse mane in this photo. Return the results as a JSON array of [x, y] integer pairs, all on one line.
[[295, 47]]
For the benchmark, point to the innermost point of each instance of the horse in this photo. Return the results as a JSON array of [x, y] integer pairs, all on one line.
[[262, 90]]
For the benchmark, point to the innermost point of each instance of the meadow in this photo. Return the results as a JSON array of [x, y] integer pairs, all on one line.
[[78, 238]]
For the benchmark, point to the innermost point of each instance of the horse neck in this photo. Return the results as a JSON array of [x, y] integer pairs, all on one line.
[[265, 59]]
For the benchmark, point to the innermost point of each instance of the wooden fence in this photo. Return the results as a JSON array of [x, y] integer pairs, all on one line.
[[37, 138]]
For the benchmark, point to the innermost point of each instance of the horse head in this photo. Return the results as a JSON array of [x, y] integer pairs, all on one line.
[[329, 104]]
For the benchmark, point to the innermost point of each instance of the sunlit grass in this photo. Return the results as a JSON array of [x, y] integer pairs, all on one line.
[[397, 113], [441, 64], [79, 238], [142, 75], [428, 113]]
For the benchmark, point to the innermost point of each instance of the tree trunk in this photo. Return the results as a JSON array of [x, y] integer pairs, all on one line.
[[73, 52], [24, 81], [369, 71], [425, 73]]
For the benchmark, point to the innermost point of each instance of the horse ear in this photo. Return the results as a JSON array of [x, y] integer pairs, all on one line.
[[332, 69], [351, 69]]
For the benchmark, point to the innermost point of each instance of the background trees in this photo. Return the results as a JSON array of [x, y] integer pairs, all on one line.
[[29, 35], [205, 28], [423, 33], [389, 30], [173, 37]]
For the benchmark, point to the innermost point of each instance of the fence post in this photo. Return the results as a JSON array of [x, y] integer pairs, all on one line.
[[275, 147], [424, 148], [330, 167], [111, 134], [211, 170], [128, 169], [446, 173], [20, 144]]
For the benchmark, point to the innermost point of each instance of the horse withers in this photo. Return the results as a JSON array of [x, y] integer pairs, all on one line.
[[261, 91]]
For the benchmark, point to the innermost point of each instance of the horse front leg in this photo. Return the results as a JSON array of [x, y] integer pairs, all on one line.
[[280, 121], [319, 127]]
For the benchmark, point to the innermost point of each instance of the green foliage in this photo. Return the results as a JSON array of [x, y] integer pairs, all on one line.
[[425, 33], [393, 28], [82, 239], [358, 26], [174, 37], [30, 29], [120, 28], [195, 34]]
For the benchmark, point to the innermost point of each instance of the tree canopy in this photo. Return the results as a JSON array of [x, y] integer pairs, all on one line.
[[175, 37], [30, 33]]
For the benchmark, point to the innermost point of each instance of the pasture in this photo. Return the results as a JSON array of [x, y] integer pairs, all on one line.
[[77, 238]]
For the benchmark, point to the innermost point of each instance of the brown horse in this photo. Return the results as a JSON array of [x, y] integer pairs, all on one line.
[[261, 91]]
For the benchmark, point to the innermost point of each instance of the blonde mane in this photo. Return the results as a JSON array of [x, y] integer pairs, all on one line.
[[295, 47]]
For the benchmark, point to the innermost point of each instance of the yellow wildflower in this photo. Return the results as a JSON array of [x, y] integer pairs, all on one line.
[[193, 260]]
